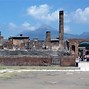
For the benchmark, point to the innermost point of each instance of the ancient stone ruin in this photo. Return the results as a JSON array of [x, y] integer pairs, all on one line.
[[36, 52]]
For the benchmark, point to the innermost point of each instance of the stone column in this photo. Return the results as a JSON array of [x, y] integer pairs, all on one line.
[[48, 39], [35, 43], [76, 49], [61, 29]]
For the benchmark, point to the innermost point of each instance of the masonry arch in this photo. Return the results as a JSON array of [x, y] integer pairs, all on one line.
[[73, 48], [74, 45]]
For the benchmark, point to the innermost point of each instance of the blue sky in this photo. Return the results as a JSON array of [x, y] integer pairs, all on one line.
[[19, 15]]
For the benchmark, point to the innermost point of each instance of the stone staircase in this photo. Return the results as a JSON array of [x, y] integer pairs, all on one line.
[[55, 58]]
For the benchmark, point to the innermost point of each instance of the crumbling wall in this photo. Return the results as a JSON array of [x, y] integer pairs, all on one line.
[[25, 57], [35, 57], [67, 61], [25, 61]]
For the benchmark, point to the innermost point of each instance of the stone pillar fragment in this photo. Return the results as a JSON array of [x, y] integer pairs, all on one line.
[[35, 43], [48, 39], [61, 29]]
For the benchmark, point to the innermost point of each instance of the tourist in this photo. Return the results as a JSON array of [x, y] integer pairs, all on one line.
[[77, 61]]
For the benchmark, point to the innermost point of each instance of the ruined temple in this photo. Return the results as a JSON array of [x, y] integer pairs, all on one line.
[[57, 43], [57, 51], [21, 42]]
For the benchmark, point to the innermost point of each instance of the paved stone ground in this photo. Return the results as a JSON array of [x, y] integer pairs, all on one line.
[[46, 80], [84, 66]]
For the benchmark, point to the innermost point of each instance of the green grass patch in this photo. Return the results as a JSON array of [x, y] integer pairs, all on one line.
[[7, 75], [53, 67]]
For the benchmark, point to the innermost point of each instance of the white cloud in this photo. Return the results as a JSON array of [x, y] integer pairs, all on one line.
[[78, 16], [28, 26], [67, 17], [43, 12], [81, 15], [67, 29], [23, 26]]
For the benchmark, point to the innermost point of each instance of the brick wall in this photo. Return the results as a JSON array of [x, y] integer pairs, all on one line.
[[26, 61], [67, 61]]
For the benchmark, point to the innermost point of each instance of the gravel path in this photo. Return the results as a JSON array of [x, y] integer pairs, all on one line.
[[46, 80]]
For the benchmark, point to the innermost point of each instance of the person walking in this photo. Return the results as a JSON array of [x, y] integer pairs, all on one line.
[[77, 61]]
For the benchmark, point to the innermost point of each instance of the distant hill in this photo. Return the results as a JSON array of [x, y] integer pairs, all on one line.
[[84, 35], [40, 33]]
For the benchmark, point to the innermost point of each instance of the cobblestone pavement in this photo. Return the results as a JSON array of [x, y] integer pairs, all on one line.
[[46, 80]]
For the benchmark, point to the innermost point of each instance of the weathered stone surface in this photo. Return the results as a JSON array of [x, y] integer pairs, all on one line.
[[31, 57], [26, 61], [75, 43], [67, 61], [61, 29]]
